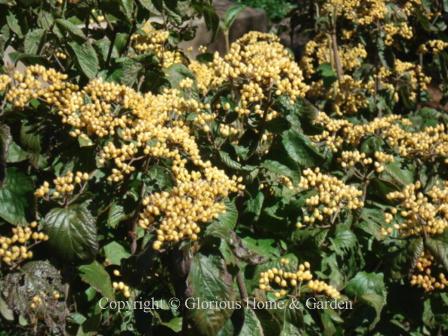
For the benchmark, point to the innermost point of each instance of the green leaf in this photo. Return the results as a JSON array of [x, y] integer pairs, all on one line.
[[70, 28], [439, 249], [225, 223], [86, 58], [32, 40], [5, 311], [255, 204], [301, 149], [231, 15], [209, 280], [72, 231], [96, 276], [16, 154], [127, 7], [344, 240], [15, 197], [327, 73], [13, 24], [114, 252], [369, 289], [116, 215], [252, 325], [176, 73]]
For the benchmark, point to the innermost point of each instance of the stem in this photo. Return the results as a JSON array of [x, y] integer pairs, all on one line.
[[242, 286]]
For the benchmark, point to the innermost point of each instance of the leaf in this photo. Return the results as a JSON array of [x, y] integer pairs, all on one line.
[[32, 40], [15, 197], [86, 58], [231, 15], [116, 215], [96, 276], [13, 24], [252, 325], [255, 204], [210, 17], [208, 280], [5, 311], [327, 73], [369, 288], [114, 252], [344, 240], [70, 28], [279, 169], [439, 249], [301, 149], [176, 73], [225, 223], [127, 7], [72, 231], [16, 154]]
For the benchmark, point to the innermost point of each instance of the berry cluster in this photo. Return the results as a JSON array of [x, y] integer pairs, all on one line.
[[16, 248], [282, 282]]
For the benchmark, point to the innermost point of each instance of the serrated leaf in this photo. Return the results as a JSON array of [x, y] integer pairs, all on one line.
[[86, 58], [225, 223], [15, 197], [72, 231], [301, 149], [71, 28], [369, 288], [116, 215], [439, 249], [208, 280], [13, 24], [96, 276], [114, 252], [32, 40]]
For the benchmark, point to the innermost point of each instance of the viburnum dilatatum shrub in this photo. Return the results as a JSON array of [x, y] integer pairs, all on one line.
[[132, 173]]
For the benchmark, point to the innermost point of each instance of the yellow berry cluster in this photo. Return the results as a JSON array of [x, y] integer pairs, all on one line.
[[433, 46], [428, 144], [421, 212], [38, 82], [423, 277], [282, 282], [350, 159], [332, 196], [120, 286], [63, 185], [38, 300], [4, 82], [191, 202], [60, 55], [258, 66], [154, 40], [16, 248], [360, 12], [139, 127]]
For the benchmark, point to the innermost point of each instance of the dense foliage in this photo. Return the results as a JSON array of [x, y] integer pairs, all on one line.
[[132, 173]]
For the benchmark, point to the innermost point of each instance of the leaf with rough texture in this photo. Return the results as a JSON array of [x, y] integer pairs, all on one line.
[[71, 28], [72, 231], [369, 289], [86, 58], [225, 223], [209, 280], [301, 149], [32, 40], [252, 325], [96, 276], [15, 196], [439, 249]]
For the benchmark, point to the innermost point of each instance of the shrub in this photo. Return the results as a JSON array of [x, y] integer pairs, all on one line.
[[211, 187]]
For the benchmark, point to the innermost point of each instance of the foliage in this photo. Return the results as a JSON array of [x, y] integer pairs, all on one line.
[[131, 173]]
